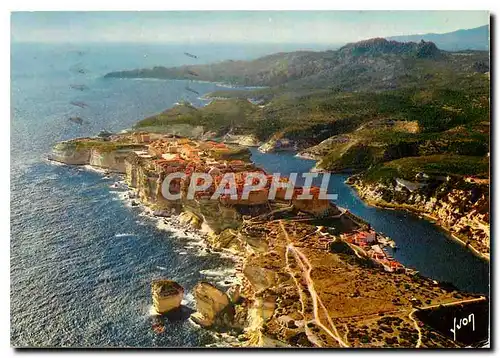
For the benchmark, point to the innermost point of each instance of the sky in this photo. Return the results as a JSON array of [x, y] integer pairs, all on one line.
[[322, 27]]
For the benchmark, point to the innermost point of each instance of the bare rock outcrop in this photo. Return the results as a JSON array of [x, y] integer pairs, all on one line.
[[234, 293], [188, 218], [167, 295], [245, 140], [213, 307], [260, 278]]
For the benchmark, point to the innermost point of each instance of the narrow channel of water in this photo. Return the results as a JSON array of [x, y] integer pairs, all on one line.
[[421, 245]]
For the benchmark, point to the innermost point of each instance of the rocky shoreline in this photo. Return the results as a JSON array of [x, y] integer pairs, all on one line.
[[469, 225], [465, 221], [308, 274]]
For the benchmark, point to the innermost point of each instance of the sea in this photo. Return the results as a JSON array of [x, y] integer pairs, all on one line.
[[82, 258]]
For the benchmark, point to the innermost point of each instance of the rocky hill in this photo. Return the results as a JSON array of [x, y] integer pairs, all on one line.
[[466, 39], [374, 64], [393, 120]]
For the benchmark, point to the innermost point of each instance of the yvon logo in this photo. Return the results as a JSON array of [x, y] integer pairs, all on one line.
[[462, 323]]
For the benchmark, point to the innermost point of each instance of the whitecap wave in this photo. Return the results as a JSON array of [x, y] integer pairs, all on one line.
[[124, 234], [153, 311], [53, 162], [94, 169], [220, 272], [189, 300]]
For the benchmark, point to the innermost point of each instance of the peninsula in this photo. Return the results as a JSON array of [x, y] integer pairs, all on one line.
[[311, 274], [408, 121]]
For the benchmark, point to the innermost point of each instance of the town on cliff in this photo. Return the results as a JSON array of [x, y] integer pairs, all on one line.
[[310, 273]]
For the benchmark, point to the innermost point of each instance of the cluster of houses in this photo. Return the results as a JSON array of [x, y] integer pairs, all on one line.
[[168, 154], [367, 240], [182, 153], [361, 238]]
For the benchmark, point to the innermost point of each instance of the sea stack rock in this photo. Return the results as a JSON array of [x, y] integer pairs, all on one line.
[[167, 295], [212, 306]]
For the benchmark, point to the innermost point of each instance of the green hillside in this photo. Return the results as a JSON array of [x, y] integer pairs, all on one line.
[[368, 103]]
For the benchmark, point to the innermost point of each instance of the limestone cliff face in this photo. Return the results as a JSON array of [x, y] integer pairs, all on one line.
[[276, 144], [245, 140], [138, 176], [139, 172], [111, 160], [211, 216], [216, 216], [213, 307], [68, 153], [131, 170], [141, 175], [96, 154], [461, 209]]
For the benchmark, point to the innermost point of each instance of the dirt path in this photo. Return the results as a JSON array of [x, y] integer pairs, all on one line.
[[482, 298], [306, 268], [417, 327]]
